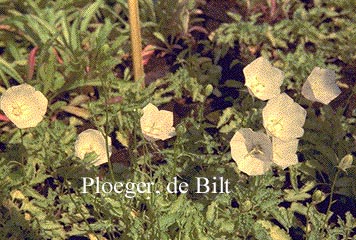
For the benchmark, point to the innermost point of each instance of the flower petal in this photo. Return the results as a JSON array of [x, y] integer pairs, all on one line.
[[284, 153], [254, 166]]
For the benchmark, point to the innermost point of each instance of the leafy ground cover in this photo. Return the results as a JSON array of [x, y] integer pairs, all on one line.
[[73, 61]]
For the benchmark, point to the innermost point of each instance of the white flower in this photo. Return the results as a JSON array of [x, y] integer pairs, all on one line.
[[320, 86], [156, 124], [252, 151], [92, 141], [262, 79], [284, 153], [23, 105], [283, 118]]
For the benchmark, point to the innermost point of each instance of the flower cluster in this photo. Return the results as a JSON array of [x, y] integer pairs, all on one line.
[[26, 107], [254, 152], [283, 119], [155, 125]]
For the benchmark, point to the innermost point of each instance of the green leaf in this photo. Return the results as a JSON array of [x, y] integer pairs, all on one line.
[[211, 212], [274, 232], [65, 28], [103, 33], [7, 68], [74, 35], [292, 196], [160, 37], [88, 14]]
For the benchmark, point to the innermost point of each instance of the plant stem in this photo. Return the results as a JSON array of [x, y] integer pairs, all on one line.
[[22, 142], [136, 44], [21, 136], [106, 126], [331, 198], [111, 170], [106, 140], [307, 222], [79, 209]]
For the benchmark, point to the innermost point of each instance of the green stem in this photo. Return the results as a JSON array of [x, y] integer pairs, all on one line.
[[134, 150], [108, 156], [21, 136], [347, 102], [79, 210], [331, 198], [307, 222], [155, 221], [22, 142], [106, 93], [175, 157]]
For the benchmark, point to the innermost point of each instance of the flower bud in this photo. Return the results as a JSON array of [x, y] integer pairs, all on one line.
[[346, 162], [246, 206], [318, 196], [209, 89]]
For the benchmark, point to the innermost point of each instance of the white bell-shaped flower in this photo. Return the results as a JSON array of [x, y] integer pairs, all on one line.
[[252, 151], [156, 124], [283, 118], [23, 105], [321, 86], [262, 79], [92, 141]]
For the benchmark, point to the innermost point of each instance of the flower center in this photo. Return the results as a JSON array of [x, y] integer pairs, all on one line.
[[18, 110], [275, 126], [152, 128], [91, 148], [257, 86], [256, 150]]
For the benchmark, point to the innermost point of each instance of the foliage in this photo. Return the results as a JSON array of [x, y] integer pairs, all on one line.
[[297, 37]]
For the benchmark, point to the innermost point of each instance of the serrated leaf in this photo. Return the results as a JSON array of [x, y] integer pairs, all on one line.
[[299, 208], [293, 196], [89, 13], [124, 140], [225, 117], [39, 178], [274, 231], [284, 216]]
